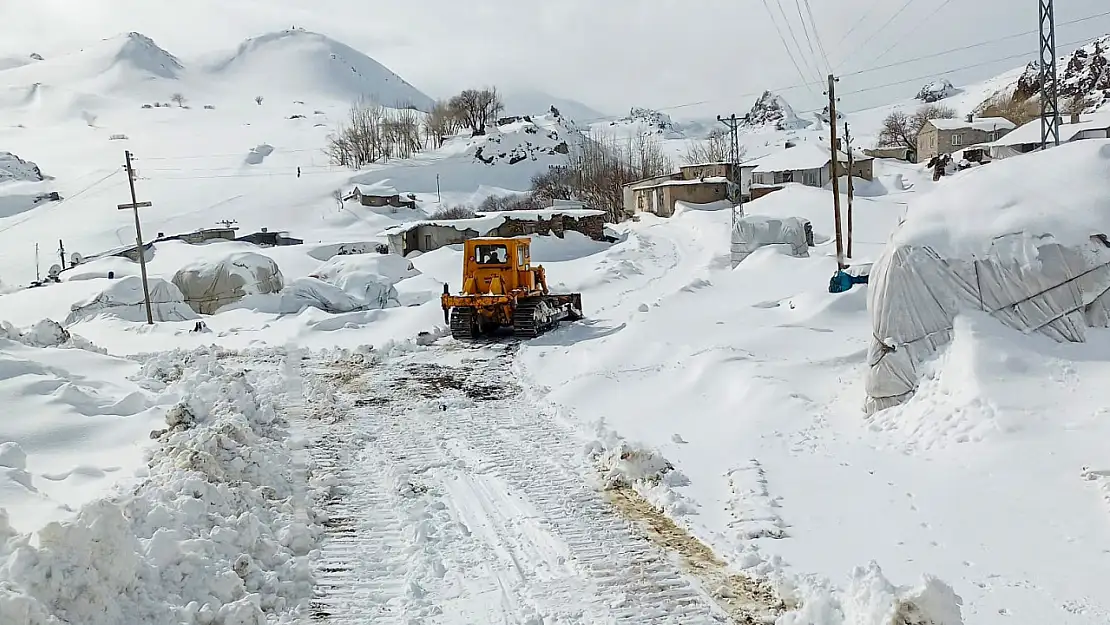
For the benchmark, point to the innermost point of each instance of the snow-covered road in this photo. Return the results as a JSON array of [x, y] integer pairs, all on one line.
[[455, 500]]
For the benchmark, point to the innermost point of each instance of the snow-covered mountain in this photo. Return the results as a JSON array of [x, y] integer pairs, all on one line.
[[772, 110], [1084, 73], [132, 66], [301, 61], [648, 120], [536, 102]]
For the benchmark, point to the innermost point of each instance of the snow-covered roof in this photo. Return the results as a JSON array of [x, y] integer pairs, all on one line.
[[708, 179], [798, 158], [963, 217], [487, 221], [1031, 131], [986, 124]]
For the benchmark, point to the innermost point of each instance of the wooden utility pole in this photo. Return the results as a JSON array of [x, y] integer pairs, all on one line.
[[38, 276], [851, 184], [834, 166], [439, 194], [135, 205], [62, 252]]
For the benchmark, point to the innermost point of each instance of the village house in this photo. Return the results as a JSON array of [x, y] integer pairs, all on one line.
[[806, 164], [700, 183], [379, 196], [428, 235], [1027, 138], [945, 136]]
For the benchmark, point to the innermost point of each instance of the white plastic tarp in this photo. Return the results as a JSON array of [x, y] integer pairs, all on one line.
[[305, 293], [755, 231], [123, 298], [208, 286], [915, 294]]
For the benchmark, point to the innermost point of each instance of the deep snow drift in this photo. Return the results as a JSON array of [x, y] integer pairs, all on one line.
[[218, 529]]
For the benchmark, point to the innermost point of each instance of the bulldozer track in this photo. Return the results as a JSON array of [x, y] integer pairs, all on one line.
[[429, 437]]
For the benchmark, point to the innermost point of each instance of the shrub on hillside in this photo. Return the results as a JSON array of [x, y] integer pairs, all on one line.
[[454, 212], [525, 202]]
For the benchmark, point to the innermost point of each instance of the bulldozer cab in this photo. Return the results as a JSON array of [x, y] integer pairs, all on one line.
[[497, 265]]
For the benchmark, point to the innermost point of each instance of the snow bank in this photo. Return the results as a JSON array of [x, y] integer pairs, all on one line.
[[392, 268], [208, 285], [73, 426], [626, 465], [123, 298], [211, 537], [999, 239], [871, 599]]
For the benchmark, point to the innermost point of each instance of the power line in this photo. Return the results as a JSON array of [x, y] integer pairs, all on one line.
[[809, 39], [859, 22], [794, 38], [917, 24], [963, 67], [876, 33], [782, 38], [35, 214], [971, 46], [817, 35]]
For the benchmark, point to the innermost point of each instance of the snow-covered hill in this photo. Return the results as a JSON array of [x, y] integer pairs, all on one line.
[[13, 168], [113, 65], [312, 65], [291, 65], [772, 110], [536, 102]]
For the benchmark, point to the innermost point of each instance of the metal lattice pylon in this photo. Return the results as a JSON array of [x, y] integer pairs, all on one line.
[[1050, 106]]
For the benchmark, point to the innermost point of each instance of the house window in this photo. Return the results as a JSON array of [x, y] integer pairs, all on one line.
[[957, 139]]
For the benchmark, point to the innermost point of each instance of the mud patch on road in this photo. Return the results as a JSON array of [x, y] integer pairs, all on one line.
[[746, 600]]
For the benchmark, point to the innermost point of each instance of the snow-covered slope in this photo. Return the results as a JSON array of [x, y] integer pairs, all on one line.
[[311, 65], [114, 65], [13, 168]]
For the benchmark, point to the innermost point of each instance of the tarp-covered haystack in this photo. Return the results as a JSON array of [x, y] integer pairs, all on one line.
[[756, 231], [210, 285], [123, 298], [1023, 240]]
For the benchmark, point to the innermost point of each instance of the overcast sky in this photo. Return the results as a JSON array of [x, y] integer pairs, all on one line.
[[610, 54]]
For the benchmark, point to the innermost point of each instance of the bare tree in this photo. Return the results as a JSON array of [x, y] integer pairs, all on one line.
[[1016, 110], [178, 99], [371, 133], [258, 100], [358, 141], [476, 107], [441, 122], [714, 149], [900, 129], [599, 167], [337, 195], [1075, 105]]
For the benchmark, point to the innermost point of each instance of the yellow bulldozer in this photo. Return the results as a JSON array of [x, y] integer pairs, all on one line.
[[501, 289]]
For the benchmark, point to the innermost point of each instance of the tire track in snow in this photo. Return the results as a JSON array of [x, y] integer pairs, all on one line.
[[496, 494]]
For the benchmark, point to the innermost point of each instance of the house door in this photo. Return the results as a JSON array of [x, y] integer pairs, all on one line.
[[657, 201]]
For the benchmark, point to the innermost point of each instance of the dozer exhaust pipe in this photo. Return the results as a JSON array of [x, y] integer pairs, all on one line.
[[446, 310]]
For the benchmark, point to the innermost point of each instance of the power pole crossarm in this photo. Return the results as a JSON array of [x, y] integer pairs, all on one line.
[[834, 167], [135, 205]]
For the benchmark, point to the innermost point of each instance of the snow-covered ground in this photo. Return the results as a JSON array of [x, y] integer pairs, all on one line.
[[719, 409]]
